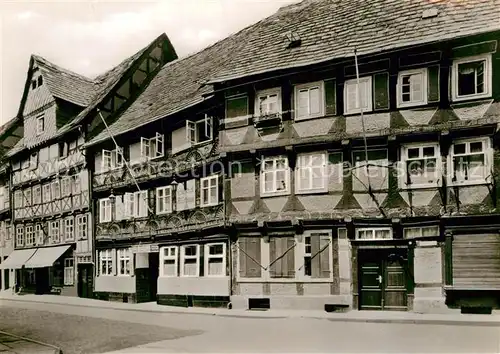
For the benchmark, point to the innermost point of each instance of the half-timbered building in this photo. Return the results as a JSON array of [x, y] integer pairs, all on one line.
[[52, 213], [363, 140]]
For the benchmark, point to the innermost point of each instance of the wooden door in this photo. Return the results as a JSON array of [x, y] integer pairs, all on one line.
[[85, 280], [154, 265], [382, 280]]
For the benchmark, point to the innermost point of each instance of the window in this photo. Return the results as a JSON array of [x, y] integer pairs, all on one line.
[[40, 124], [307, 256], [27, 197], [209, 191], [152, 148], [112, 159], [69, 271], [471, 161], [69, 229], [136, 204], [236, 108], [19, 235], [282, 257], [412, 88], [190, 266], [199, 131], [424, 231], [66, 186], [30, 236], [46, 193], [268, 102], [374, 234], [275, 175], [249, 257], [309, 100], [421, 165], [33, 84], [40, 80], [39, 234], [106, 262], [215, 259], [164, 200], [81, 227], [33, 161], [105, 210], [76, 184], [54, 231], [123, 261], [168, 261], [354, 99], [37, 194], [311, 172], [18, 199], [471, 78], [56, 190], [317, 255]]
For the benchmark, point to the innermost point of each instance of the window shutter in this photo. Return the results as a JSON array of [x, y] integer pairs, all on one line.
[[330, 97], [243, 258], [151, 201], [293, 114], [131, 263], [433, 83], [145, 147], [119, 208], [208, 126], [143, 203], [180, 197], [253, 269], [324, 256], [289, 258], [315, 262], [191, 193], [114, 261], [98, 263], [190, 132], [274, 249], [381, 91], [220, 182], [197, 192], [159, 144]]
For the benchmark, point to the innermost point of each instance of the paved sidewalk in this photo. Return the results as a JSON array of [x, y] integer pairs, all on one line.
[[453, 318], [10, 343]]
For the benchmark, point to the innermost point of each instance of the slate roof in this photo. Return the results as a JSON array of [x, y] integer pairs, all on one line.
[[332, 29], [328, 29], [65, 84]]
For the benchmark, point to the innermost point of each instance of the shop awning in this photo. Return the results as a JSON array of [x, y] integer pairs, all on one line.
[[46, 256], [17, 259]]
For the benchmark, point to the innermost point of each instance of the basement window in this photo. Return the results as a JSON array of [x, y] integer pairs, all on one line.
[[471, 78]]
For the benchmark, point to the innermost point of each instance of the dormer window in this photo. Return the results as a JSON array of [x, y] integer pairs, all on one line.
[[40, 124], [268, 102], [412, 88], [471, 78], [153, 147], [199, 131]]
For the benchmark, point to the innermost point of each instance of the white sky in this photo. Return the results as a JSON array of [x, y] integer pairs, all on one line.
[[91, 36]]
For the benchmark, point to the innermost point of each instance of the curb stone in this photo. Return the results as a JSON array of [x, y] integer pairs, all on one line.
[[56, 350]]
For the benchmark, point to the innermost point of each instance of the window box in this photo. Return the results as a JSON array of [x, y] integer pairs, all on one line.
[[421, 164], [267, 108], [354, 99], [412, 88], [169, 261], [309, 101], [209, 191], [190, 261], [311, 173], [275, 176], [215, 260], [374, 234], [470, 161], [471, 78]]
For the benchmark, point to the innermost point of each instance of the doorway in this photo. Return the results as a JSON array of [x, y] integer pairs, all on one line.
[[85, 280], [154, 264], [382, 279]]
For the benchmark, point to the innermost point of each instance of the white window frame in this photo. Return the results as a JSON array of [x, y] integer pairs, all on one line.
[[76, 184], [208, 257], [39, 234], [404, 159], [275, 171], [374, 230], [105, 210], [488, 160], [320, 85], [40, 124], [55, 188], [29, 235], [310, 169], [37, 194], [66, 186], [105, 257], [18, 199], [124, 255], [152, 148], [169, 257], [487, 78], [19, 235], [411, 103], [69, 229], [55, 231], [114, 159], [300, 272], [69, 271], [47, 193], [267, 93], [192, 135], [81, 226], [164, 193], [208, 188], [184, 258], [421, 229], [132, 202], [369, 98]]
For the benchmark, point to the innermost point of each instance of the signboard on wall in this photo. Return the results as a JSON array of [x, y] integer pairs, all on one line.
[[146, 248]]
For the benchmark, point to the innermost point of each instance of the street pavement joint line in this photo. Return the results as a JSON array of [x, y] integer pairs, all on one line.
[[57, 349]]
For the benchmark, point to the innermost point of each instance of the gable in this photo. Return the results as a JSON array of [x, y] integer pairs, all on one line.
[[38, 94]]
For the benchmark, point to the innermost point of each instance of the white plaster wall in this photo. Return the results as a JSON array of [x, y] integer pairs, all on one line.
[[283, 288], [179, 141], [193, 286], [316, 289], [250, 288], [115, 284], [141, 260]]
